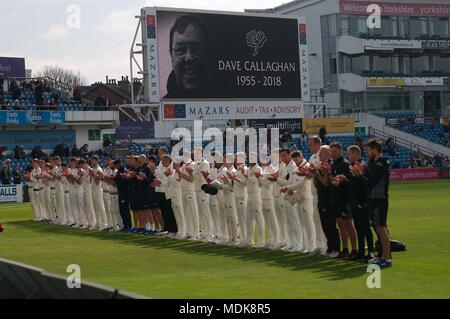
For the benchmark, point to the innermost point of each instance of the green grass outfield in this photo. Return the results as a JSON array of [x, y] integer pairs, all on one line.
[[162, 268]]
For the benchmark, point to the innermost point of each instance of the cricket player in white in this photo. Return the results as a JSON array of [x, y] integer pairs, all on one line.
[[254, 208], [47, 192], [268, 206], [52, 184], [201, 167], [216, 201], [314, 143], [59, 191], [66, 187], [97, 194], [106, 196], [114, 197], [189, 200], [86, 185], [286, 176], [34, 194], [302, 187], [175, 193], [229, 203], [77, 196], [278, 200], [240, 193]]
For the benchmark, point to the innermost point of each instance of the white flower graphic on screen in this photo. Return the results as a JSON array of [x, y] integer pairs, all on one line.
[[256, 40]]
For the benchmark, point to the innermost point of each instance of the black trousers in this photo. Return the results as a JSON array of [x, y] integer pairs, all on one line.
[[360, 215], [328, 221], [124, 209], [168, 216]]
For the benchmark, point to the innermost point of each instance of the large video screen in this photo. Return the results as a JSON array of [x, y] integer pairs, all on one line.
[[224, 56]]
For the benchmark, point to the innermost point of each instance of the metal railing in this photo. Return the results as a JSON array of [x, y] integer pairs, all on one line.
[[403, 142]]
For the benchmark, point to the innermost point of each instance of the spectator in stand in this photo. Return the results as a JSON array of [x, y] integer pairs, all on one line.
[[358, 142], [100, 101], [77, 94], [390, 146], [75, 151], [5, 173], [108, 150], [19, 152], [14, 89], [38, 93], [17, 177], [2, 150], [2, 93], [304, 138], [323, 134], [129, 140], [84, 150], [38, 153]]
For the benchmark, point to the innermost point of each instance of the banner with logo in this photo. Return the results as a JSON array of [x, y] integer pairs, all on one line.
[[200, 55], [11, 194], [396, 9], [333, 125], [414, 174], [31, 117], [48, 139], [12, 67], [136, 130], [385, 82], [230, 110], [426, 81], [292, 126]]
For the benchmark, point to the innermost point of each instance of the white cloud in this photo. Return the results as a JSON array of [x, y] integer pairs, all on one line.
[[55, 31], [118, 22]]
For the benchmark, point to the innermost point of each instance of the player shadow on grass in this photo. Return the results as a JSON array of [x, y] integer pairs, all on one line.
[[327, 268]]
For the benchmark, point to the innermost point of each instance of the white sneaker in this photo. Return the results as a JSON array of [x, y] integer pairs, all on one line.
[[333, 255], [260, 245]]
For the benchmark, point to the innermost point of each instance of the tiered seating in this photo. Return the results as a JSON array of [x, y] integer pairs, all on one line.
[[428, 131], [27, 99], [397, 115]]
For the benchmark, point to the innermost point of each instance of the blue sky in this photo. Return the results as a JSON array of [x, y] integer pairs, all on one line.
[[38, 31]]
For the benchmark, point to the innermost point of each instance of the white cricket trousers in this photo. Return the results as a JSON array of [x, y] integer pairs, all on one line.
[[204, 214], [268, 208], [281, 220], [255, 216], [68, 209], [99, 207], [48, 203], [80, 217], [321, 240], [107, 205], [34, 206], [115, 210], [60, 205], [54, 213], [294, 240], [178, 211], [306, 218], [220, 228], [241, 211], [88, 207], [191, 213], [229, 208]]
